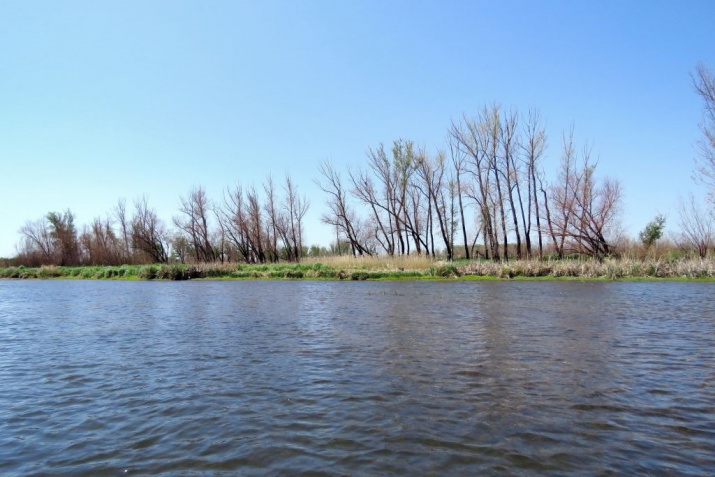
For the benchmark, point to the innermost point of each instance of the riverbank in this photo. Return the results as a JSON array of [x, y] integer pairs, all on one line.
[[405, 268]]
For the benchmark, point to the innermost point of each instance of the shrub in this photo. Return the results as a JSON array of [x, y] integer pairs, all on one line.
[[242, 274], [446, 271], [293, 274], [11, 272], [49, 272], [326, 273], [147, 272]]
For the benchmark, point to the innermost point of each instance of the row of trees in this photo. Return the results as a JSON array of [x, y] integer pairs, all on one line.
[[488, 188], [243, 226], [486, 194]]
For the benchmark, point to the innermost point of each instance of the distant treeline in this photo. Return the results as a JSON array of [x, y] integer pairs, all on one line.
[[485, 195], [239, 228]]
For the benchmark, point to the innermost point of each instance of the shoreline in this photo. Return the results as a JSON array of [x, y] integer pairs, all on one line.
[[689, 270]]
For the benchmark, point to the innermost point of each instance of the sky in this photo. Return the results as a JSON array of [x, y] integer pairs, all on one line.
[[118, 99]]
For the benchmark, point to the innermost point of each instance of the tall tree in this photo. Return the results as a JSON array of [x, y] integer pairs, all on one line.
[[492, 124], [295, 207], [100, 244], [510, 170], [432, 171], [271, 207], [194, 222], [148, 234], [585, 211], [563, 195], [533, 146], [37, 244], [471, 137], [459, 163], [64, 237], [697, 228], [340, 215], [704, 82], [124, 224], [383, 187]]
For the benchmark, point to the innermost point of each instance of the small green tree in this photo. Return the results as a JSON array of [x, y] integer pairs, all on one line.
[[652, 232], [64, 237]]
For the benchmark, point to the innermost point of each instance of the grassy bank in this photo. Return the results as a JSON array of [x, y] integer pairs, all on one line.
[[387, 268]]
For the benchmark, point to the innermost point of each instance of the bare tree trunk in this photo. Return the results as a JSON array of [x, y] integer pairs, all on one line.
[[508, 140], [493, 124], [458, 163]]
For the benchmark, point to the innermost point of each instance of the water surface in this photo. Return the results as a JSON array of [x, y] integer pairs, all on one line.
[[263, 377]]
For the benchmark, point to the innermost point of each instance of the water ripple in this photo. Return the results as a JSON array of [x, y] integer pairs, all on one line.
[[269, 378]]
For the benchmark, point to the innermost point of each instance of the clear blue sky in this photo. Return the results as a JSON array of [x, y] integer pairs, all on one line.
[[107, 99]]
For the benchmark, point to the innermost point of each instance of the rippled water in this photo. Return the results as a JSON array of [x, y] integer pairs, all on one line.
[[110, 378]]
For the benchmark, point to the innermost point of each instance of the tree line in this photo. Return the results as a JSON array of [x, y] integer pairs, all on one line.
[[484, 195], [487, 193], [244, 226]]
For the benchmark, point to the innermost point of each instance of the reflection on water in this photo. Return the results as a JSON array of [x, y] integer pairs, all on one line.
[[368, 378]]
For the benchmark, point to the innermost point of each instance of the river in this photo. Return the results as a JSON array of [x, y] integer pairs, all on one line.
[[358, 378]]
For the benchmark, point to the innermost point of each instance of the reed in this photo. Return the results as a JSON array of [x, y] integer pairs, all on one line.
[[404, 262], [609, 268], [381, 268]]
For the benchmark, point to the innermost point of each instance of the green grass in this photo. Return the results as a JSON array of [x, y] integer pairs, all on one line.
[[373, 269]]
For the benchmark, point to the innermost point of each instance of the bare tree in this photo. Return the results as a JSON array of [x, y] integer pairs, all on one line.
[[341, 216], [471, 138], [598, 210], [432, 172], [491, 118], [459, 163], [194, 222], [533, 146], [120, 214], [100, 244], [37, 244], [271, 209], [563, 195], [148, 233], [234, 219], [704, 82], [510, 170], [383, 187], [584, 212], [697, 228], [295, 207]]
